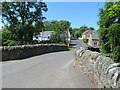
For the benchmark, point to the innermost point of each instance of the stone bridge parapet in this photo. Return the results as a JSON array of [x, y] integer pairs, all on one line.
[[99, 67], [24, 51]]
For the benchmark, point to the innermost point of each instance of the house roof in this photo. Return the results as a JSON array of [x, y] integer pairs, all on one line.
[[87, 32], [46, 33], [94, 35]]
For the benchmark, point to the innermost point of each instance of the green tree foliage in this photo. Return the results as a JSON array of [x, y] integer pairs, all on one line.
[[58, 38], [91, 28], [0, 38], [22, 19], [85, 40], [114, 40], [114, 11], [77, 32], [103, 36], [7, 38], [74, 32], [109, 31], [64, 25], [104, 19], [58, 26], [22, 12]]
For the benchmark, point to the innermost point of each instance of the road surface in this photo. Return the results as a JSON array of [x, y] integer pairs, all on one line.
[[53, 70]]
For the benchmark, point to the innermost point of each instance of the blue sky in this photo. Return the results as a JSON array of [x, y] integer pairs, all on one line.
[[78, 13]]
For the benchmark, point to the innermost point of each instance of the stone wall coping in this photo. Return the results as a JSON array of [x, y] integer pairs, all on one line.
[[102, 67], [24, 51]]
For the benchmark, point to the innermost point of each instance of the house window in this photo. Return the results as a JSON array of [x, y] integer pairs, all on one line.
[[36, 37], [48, 37], [95, 43]]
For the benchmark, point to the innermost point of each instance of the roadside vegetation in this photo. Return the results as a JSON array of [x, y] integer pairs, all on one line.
[[0, 38], [55, 38], [85, 40], [60, 28], [77, 32], [109, 31], [24, 19], [21, 21]]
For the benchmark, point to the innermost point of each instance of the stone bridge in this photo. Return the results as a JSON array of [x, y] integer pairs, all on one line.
[[42, 66]]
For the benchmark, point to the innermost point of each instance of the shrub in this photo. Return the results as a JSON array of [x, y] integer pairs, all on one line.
[[45, 42], [8, 38], [57, 38], [85, 40], [114, 41], [115, 55], [11, 43], [35, 42], [110, 41]]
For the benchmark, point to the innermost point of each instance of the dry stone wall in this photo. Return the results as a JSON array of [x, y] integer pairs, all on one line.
[[99, 67], [24, 51]]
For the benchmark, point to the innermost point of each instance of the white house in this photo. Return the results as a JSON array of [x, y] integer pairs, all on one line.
[[93, 39], [87, 33], [45, 35]]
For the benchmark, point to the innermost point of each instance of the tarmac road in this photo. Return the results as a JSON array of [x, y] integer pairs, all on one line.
[[52, 70]]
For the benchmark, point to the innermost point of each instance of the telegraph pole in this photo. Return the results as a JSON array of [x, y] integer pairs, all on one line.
[[67, 37]]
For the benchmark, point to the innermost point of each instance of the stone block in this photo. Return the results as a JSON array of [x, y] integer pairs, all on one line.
[[103, 68], [24, 51]]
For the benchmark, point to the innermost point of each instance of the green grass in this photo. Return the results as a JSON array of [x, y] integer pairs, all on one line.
[[71, 47]]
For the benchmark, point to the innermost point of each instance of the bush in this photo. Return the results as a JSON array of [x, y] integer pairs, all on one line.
[[114, 41], [8, 38], [85, 40], [45, 42], [115, 55], [11, 43], [57, 38], [0, 38], [110, 41], [35, 42], [18, 34]]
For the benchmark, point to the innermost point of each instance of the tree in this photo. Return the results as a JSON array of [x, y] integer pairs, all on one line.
[[109, 31], [104, 19], [64, 25], [91, 28], [22, 12], [114, 40], [85, 40], [57, 38], [82, 29], [114, 12], [0, 38], [48, 26], [104, 40], [7, 38], [23, 19], [77, 32], [58, 26]]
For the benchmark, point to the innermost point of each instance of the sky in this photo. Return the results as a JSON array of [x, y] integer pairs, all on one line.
[[78, 13], [0, 22]]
